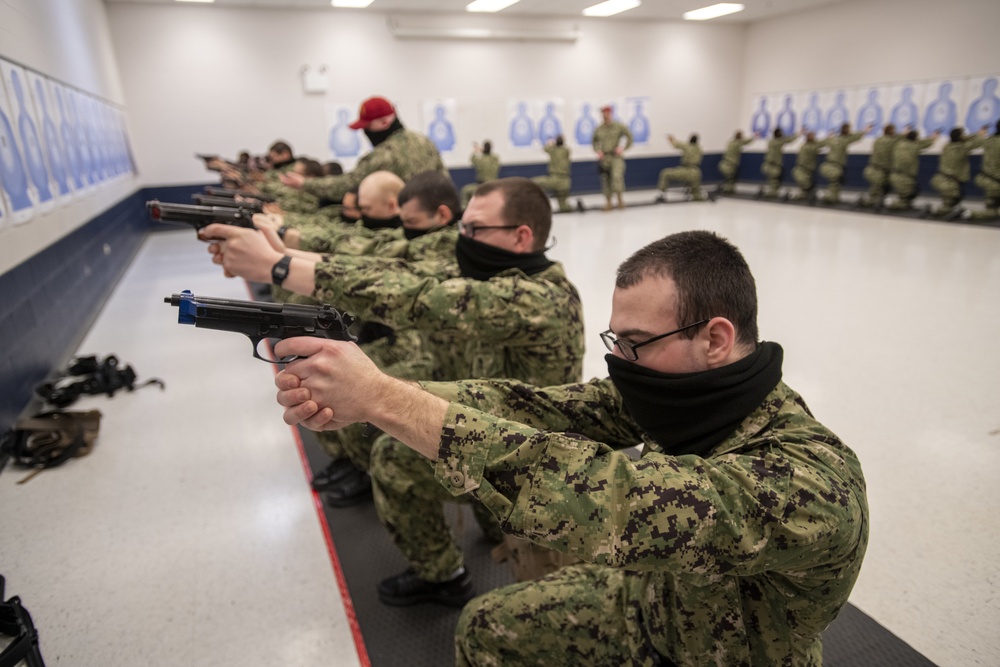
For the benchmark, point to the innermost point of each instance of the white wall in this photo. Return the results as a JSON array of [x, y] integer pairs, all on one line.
[[67, 40], [864, 42], [215, 79]]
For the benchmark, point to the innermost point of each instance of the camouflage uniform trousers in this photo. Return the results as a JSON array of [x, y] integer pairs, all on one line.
[[559, 186], [878, 181], [950, 189], [729, 171], [400, 355], [612, 175], [805, 179], [466, 193], [905, 187], [991, 189], [774, 172], [579, 615], [690, 176], [833, 172], [410, 504]]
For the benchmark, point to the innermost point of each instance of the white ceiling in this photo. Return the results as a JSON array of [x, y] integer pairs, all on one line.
[[649, 10]]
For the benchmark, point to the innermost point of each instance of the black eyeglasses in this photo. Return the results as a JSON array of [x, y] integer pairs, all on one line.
[[628, 350], [468, 229]]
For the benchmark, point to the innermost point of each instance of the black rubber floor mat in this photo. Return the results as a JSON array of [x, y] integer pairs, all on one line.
[[421, 635], [856, 639], [413, 636]]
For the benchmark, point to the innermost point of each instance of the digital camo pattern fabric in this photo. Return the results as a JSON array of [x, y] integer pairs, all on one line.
[[742, 557], [513, 325], [404, 153]]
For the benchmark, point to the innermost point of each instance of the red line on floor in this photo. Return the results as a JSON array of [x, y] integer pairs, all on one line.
[[338, 572]]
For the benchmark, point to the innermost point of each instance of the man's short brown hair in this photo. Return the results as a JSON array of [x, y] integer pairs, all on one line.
[[524, 203], [431, 189], [711, 275]]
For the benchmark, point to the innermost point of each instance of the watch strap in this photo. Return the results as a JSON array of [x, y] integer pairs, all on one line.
[[280, 270]]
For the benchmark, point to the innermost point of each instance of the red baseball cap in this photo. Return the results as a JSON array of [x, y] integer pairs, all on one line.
[[372, 109]]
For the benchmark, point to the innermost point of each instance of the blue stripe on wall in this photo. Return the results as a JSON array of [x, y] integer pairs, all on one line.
[[51, 300]]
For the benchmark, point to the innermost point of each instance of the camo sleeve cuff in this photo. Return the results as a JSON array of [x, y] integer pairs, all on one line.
[[466, 439]]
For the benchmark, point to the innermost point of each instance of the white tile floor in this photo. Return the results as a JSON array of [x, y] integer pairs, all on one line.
[[190, 535]]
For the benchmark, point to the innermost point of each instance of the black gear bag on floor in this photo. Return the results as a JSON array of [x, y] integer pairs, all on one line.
[[89, 375], [15, 621]]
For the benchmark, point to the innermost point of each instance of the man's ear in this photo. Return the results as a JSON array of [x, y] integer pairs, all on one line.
[[525, 239], [721, 340]]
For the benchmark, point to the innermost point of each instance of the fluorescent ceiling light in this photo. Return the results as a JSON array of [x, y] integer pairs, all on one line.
[[713, 11], [356, 4], [611, 7], [205, 1], [401, 32], [489, 5]]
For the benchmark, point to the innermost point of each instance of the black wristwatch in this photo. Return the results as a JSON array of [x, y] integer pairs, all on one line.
[[282, 231], [280, 270]]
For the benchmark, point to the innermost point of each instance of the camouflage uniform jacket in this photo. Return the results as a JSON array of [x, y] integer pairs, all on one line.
[[954, 161], [290, 199], [882, 152], [438, 244], [690, 153], [906, 155], [838, 147], [404, 153], [487, 167], [809, 155], [510, 326], [558, 160], [734, 148], [608, 136], [991, 158], [333, 236], [739, 558], [774, 146]]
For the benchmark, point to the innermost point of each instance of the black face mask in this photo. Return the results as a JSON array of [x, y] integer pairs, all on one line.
[[483, 261], [382, 223], [692, 413], [411, 234], [377, 137], [283, 163]]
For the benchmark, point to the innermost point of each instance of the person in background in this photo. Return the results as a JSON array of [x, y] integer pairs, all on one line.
[[607, 143], [557, 182], [486, 165]]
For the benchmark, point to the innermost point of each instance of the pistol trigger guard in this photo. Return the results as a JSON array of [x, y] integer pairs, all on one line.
[[256, 352]]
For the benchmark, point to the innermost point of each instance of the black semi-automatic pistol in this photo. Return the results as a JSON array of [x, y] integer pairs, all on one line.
[[259, 320], [199, 216]]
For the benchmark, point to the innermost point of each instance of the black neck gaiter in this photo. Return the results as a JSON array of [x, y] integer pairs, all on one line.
[[283, 163], [382, 223], [483, 261], [377, 137], [411, 234], [691, 413]]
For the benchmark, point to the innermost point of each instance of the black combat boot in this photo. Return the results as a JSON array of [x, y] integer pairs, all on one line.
[[349, 490], [407, 588], [334, 472]]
